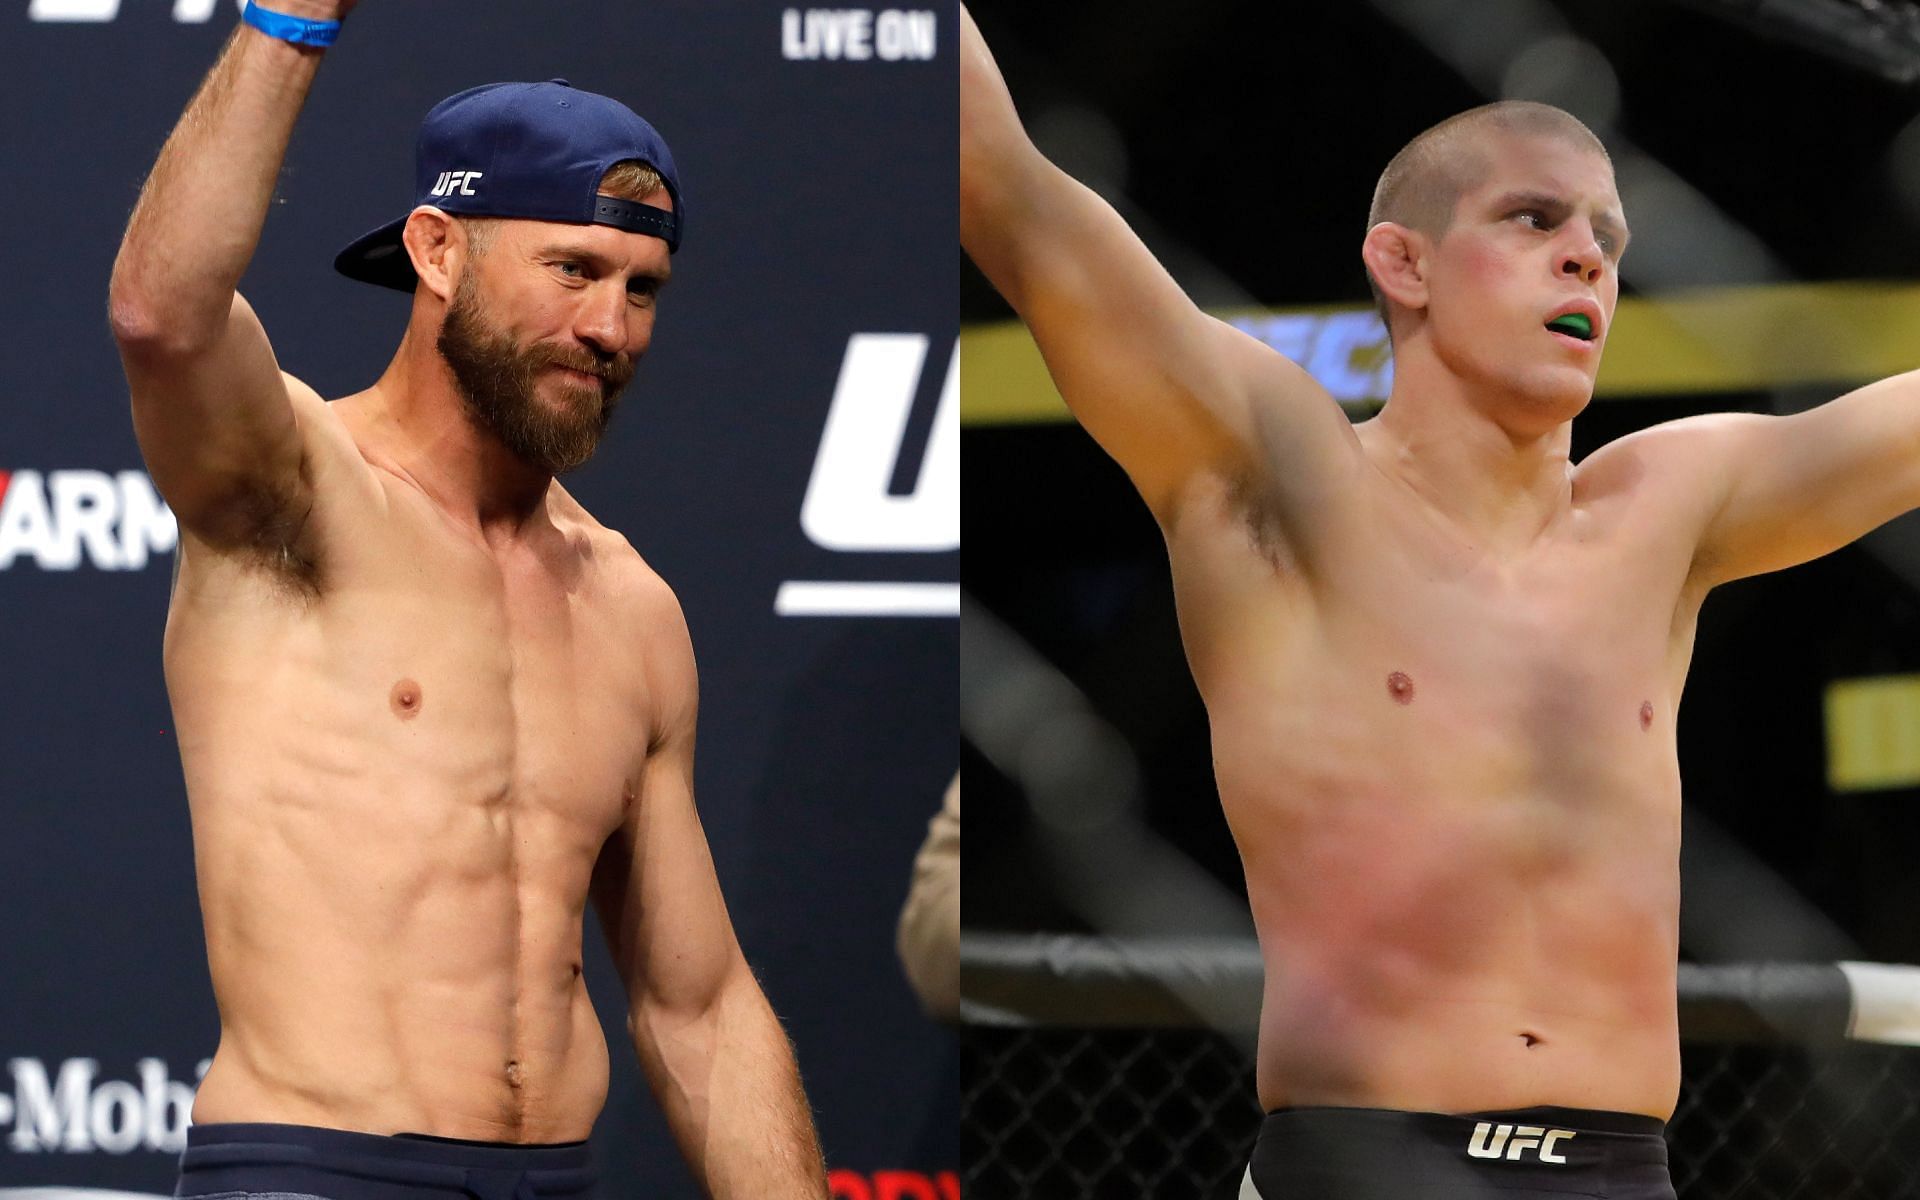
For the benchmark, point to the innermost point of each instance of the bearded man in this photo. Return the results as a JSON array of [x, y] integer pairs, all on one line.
[[427, 705]]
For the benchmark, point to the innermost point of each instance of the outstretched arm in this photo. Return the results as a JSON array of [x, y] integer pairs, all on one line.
[[718, 1061], [1165, 389], [1782, 490], [217, 421]]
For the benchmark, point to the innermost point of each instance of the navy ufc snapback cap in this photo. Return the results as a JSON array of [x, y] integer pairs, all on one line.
[[530, 150]]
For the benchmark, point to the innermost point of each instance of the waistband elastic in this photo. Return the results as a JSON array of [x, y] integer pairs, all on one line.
[[1621, 1129], [1374, 1154], [214, 1153], [1586, 1120]]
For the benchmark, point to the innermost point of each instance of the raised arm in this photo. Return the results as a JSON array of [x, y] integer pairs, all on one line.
[[718, 1061], [217, 421], [1783, 490], [1165, 389]]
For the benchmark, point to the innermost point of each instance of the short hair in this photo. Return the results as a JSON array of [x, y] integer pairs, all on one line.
[[1423, 184], [630, 179]]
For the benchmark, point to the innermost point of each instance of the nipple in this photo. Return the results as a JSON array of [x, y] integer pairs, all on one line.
[[1400, 687], [405, 699], [1646, 714]]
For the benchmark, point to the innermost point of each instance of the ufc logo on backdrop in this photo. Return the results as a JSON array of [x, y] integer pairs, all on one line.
[[457, 181], [851, 505], [191, 12], [848, 506], [1489, 1140]]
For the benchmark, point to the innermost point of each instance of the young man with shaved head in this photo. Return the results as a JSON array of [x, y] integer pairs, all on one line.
[[1441, 661], [427, 706]]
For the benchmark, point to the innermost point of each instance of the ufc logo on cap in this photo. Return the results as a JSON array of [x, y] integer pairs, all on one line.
[[457, 181], [1489, 1140]]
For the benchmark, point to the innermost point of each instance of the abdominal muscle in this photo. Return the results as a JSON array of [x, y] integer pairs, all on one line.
[[388, 983], [393, 902], [1463, 949]]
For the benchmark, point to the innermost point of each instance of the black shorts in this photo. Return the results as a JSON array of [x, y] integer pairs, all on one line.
[[299, 1161], [1381, 1154]]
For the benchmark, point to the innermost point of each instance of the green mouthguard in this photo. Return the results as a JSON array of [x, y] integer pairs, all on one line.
[[1576, 324]]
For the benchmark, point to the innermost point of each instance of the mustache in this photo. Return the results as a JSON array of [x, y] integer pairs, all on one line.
[[613, 370]]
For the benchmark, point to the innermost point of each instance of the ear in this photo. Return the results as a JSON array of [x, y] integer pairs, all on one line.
[[1396, 258], [438, 247]]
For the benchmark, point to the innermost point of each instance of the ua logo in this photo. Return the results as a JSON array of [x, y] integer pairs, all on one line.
[[457, 181], [1489, 1140]]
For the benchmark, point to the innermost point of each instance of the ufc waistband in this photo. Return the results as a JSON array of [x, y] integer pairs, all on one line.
[[1522, 1154], [338, 1164]]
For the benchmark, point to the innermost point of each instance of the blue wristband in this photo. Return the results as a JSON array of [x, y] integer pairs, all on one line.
[[298, 30]]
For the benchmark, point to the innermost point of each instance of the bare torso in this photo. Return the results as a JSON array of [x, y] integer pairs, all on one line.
[[1441, 664], [403, 764], [1451, 775]]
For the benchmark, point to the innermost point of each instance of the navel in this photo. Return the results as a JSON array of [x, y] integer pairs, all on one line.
[[1400, 687], [1646, 714], [405, 699], [513, 1073]]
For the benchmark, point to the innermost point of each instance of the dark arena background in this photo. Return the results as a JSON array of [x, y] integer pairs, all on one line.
[[787, 458], [1768, 156]]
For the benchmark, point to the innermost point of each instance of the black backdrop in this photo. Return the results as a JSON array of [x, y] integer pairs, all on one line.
[[820, 197]]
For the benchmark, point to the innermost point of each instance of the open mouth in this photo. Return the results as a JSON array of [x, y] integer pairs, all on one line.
[[1575, 325]]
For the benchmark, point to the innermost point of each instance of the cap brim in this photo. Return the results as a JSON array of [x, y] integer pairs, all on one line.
[[379, 257]]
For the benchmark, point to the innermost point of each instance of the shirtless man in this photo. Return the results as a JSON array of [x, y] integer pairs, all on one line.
[[1441, 661], [426, 704]]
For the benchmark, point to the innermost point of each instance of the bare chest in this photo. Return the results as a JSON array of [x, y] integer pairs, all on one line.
[[431, 675], [1567, 636], [518, 654], [1397, 630]]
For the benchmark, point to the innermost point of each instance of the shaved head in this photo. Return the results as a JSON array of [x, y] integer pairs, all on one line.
[[1424, 182]]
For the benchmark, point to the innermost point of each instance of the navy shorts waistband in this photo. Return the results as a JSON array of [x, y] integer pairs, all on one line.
[[343, 1164]]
